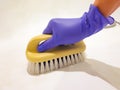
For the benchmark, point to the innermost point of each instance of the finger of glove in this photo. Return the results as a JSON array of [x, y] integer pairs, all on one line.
[[48, 44], [48, 29]]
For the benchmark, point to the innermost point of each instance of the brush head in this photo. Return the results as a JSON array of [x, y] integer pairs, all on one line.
[[64, 50], [61, 56]]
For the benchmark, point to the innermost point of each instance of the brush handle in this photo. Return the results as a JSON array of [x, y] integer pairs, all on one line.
[[34, 42]]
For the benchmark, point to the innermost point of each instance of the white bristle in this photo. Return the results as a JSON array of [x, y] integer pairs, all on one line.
[[65, 61], [36, 70], [81, 57], [47, 68], [76, 58], [42, 69], [60, 63], [68, 60], [56, 64], [50, 65], [31, 67], [72, 59]]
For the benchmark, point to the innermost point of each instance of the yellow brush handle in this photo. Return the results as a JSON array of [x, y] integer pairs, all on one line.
[[33, 43], [34, 56]]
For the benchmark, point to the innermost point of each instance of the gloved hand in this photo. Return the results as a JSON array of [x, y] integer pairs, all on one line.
[[69, 31]]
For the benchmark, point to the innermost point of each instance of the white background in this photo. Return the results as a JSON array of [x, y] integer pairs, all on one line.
[[20, 20]]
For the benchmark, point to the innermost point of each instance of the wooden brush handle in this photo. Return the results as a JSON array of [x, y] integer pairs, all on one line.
[[33, 43]]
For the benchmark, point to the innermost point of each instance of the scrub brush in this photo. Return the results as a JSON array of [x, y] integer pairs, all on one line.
[[56, 58]]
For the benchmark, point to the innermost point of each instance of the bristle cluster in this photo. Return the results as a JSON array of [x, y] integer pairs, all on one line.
[[54, 64]]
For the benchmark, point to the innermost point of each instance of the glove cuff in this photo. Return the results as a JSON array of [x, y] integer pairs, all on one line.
[[95, 21], [95, 11]]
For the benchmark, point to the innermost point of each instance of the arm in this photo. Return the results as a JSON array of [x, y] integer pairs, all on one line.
[[107, 7]]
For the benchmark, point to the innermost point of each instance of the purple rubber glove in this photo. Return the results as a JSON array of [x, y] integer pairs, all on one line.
[[69, 31]]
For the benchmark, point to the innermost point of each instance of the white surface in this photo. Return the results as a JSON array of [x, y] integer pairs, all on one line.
[[22, 19]]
